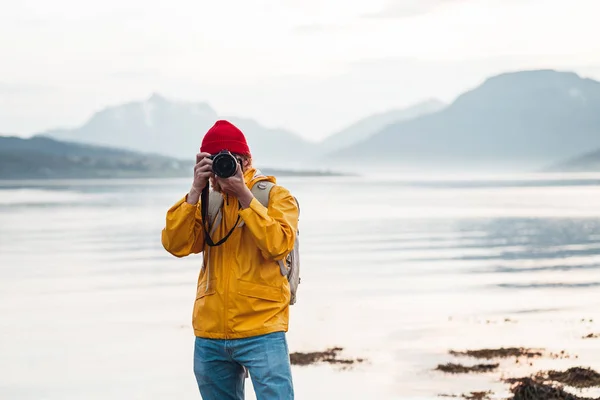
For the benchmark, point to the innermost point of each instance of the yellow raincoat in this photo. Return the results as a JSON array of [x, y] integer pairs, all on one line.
[[241, 292]]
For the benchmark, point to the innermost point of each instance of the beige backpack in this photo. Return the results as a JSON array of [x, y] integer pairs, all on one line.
[[290, 267]]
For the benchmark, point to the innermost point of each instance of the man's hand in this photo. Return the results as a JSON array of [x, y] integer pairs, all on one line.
[[236, 186], [202, 174]]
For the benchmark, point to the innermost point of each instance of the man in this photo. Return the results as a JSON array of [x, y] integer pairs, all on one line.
[[240, 316]]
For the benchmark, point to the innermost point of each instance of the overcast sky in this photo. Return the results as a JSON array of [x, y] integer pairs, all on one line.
[[312, 66]]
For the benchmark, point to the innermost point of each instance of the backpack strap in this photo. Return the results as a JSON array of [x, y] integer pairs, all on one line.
[[261, 191], [215, 201]]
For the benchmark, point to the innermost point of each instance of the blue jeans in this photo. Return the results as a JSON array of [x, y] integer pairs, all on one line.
[[220, 367]]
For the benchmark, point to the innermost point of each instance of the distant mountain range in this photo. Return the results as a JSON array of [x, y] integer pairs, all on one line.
[[46, 158], [514, 121], [175, 129], [371, 125]]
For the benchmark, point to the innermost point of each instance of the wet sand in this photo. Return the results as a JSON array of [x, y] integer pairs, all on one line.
[[513, 373], [573, 383]]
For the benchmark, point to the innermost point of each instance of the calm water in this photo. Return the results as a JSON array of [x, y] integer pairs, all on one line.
[[394, 270]]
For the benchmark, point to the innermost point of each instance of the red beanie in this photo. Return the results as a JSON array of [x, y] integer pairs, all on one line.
[[224, 136]]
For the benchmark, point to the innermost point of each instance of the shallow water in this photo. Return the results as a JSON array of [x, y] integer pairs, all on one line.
[[396, 270]]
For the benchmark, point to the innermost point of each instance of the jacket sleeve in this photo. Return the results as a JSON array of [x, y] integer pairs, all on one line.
[[183, 234], [274, 228]]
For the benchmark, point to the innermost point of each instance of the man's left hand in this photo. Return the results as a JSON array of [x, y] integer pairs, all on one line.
[[236, 186]]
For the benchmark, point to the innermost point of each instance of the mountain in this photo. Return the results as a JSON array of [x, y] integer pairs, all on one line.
[[588, 162], [159, 125], [41, 157], [368, 126], [518, 120]]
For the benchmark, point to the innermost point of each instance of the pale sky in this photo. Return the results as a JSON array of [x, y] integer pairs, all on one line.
[[312, 66]]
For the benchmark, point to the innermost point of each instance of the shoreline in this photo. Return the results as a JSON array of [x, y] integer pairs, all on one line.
[[151, 176], [141, 180]]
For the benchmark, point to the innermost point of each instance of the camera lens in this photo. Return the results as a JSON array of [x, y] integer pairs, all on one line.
[[224, 165]]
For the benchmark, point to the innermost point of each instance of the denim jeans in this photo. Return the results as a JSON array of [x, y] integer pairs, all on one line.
[[219, 367]]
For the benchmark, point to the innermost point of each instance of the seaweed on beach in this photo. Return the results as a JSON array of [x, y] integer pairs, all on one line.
[[477, 395], [592, 336], [471, 396], [498, 353], [328, 356], [543, 385], [576, 377], [533, 389], [463, 369], [562, 355], [549, 384]]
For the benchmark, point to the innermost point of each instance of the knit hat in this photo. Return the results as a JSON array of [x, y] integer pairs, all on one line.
[[223, 135]]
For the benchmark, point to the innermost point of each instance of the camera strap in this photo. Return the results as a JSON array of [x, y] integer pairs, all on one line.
[[205, 220]]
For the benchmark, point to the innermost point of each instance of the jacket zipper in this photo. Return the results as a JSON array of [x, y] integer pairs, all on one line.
[[226, 308]]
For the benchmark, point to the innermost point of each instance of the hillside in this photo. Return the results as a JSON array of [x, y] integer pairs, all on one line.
[[175, 129], [519, 120], [370, 125], [46, 158], [41, 157]]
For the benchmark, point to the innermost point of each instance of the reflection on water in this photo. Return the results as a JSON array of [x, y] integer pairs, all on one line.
[[395, 270]]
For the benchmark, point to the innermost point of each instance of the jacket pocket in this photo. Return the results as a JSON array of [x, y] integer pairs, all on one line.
[[202, 290], [258, 291]]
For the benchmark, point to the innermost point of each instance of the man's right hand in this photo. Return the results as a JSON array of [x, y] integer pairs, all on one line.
[[202, 174]]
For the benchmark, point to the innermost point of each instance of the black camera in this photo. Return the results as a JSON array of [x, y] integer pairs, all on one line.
[[224, 164]]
